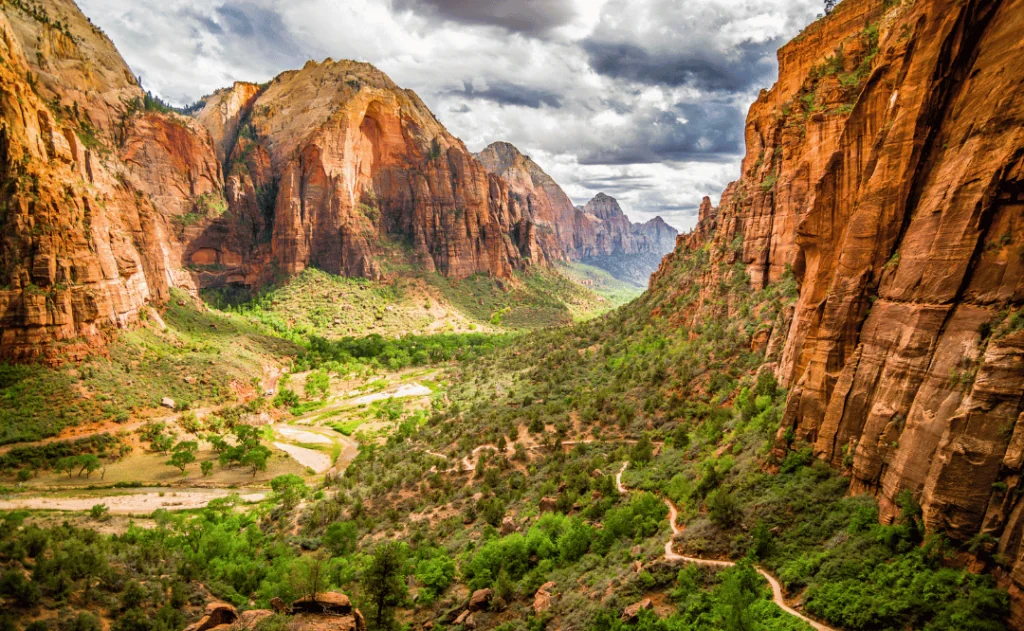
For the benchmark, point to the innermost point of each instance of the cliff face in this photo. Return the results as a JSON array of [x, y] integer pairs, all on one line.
[[598, 233], [886, 170], [357, 160], [82, 246], [561, 232]]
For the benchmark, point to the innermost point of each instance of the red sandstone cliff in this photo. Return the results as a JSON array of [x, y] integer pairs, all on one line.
[[82, 246], [886, 168]]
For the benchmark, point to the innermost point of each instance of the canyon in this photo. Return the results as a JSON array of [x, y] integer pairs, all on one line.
[[883, 182], [598, 234]]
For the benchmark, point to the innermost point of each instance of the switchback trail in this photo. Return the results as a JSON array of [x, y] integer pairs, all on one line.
[[672, 557]]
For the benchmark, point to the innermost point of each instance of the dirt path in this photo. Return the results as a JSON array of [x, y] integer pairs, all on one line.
[[672, 557], [128, 503]]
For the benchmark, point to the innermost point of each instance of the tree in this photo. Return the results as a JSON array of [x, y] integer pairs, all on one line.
[[190, 423], [310, 573], [218, 443], [384, 581], [207, 468], [184, 455], [740, 588], [67, 465], [680, 437], [255, 459], [435, 575], [723, 510], [341, 537], [642, 451], [161, 443], [88, 464], [289, 489], [317, 384]]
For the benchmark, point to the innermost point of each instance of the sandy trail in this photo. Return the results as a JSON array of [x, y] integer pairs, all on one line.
[[302, 436], [672, 557], [403, 392], [315, 460], [127, 504]]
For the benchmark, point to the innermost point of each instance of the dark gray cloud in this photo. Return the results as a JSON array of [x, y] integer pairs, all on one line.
[[259, 29], [738, 69], [618, 182], [506, 93], [688, 132], [460, 109], [530, 17]]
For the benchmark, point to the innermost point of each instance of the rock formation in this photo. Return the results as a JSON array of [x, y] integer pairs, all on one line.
[[885, 170], [83, 246], [330, 611], [598, 234], [111, 199]]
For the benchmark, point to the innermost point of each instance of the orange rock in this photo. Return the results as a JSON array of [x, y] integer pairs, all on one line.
[[898, 206]]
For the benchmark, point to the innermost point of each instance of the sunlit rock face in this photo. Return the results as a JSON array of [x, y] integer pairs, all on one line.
[[890, 180]]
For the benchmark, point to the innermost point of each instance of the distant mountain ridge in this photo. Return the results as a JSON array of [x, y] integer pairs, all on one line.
[[598, 233]]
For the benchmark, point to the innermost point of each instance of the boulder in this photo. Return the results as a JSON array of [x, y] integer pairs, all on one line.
[[508, 526], [325, 602], [542, 599], [548, 504], [278, 605], [215, 615], [168, 402], [480, 599], [632, 613]]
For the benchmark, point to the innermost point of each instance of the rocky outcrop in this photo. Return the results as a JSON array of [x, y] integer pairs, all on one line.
[[329, 611], [885, 172], [223, 112], [560, 232], [630, 252], [599, 233]]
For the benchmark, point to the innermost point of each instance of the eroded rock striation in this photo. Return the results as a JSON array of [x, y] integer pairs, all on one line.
[[885, 171]]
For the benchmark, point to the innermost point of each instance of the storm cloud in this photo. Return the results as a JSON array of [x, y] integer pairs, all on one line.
[[510, 94], [531, 17], [741, 68]]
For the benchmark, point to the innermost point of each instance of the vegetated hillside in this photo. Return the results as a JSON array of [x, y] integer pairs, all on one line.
[[598, 234], [112, 198], [416, 303]]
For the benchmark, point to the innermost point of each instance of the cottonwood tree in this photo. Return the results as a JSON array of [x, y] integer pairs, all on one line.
[[184, 455], [310, 574]]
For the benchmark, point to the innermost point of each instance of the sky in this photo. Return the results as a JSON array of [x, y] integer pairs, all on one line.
[[644, 100]]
